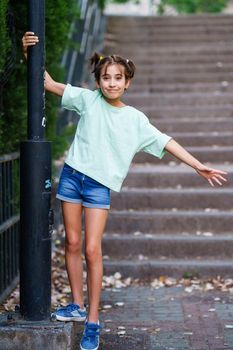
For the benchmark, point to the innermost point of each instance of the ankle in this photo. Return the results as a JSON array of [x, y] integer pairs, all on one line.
[[93, 319], [80, 304]]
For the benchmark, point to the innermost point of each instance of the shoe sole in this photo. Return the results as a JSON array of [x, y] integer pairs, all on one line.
[[67, 319], [91, 349]]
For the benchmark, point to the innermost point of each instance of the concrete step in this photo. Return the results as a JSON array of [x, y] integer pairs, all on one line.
[[155, 24], [175, 199], [203, 67], [157, 246], [195, 50], [201, 114], [170, 267], [177, 99], [168, 221], [136, 32], [168, 38], [215, 154], [164, 176], [213, 87], [183, 78], [204, 138], [166, 21], [184, 125], [187, 58]]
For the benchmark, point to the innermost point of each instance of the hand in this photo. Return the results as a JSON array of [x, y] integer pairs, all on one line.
[[211, 175], [29, 39]]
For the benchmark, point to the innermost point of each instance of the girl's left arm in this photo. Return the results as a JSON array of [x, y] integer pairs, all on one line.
[[211, 175]]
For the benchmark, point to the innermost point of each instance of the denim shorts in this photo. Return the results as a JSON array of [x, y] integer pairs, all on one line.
[[76, 187]]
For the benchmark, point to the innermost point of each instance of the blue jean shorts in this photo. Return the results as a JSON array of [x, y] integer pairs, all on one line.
[[76, 187]]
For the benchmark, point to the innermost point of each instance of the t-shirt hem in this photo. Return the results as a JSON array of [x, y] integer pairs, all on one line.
[[93, 176]]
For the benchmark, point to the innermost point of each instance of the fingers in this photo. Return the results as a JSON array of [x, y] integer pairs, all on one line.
[[216, 171], [29, 39], [216, 180], [221, 177], [210, 182]]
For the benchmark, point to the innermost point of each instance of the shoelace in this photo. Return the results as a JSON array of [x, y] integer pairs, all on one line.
[[69, 307]]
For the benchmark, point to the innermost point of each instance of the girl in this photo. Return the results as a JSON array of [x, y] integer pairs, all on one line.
[[108, 135]]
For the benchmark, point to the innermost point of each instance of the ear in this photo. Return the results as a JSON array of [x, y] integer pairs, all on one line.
[[127, 84]]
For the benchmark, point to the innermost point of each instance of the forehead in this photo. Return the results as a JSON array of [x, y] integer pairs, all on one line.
[[113, 69]]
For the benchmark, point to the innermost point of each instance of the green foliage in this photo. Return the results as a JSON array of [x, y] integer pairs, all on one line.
[[194, 6], [4, 39], [13, 122]]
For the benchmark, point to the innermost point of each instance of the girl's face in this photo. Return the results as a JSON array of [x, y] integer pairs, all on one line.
[[113, 83]]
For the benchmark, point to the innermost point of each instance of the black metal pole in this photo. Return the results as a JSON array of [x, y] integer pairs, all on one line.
[[35, 192]]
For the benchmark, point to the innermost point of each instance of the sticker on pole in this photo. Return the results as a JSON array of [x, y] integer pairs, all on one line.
[[48, 184]]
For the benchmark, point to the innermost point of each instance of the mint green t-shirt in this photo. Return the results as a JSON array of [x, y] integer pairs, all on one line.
[[108, 137]]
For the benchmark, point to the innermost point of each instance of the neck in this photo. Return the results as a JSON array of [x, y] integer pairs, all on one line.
[[115, 103]]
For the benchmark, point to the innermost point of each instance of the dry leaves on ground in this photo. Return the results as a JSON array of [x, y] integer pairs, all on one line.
[[61, 294]]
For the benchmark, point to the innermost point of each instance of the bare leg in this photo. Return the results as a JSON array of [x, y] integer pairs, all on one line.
[[95, 220], [72, 215]]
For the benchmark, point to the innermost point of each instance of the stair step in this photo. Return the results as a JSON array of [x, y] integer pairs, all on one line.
[[168, 39], [186, 68], [204, 139], [170, 267], [154, 80], [190, 58], [204, 154], [149, 246], [166, 21], [168, 221], [222, 115], [162, 176], [191, 125], [194, 99], [190, 198], [196, 51], [182, 87]]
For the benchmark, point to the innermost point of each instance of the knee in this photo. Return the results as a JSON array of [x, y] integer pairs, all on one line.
[[73, 245], [93, 253]]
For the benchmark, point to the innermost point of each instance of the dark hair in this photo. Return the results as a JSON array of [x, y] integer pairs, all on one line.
[[99, 61]]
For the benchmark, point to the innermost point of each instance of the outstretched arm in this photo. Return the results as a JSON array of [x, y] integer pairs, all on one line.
[[30, 39], [211, 175]]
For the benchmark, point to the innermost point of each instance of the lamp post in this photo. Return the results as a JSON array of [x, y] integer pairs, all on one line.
[[35, 185]]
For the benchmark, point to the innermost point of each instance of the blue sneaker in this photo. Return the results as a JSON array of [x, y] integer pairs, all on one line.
[[91, 336], [71, 312]]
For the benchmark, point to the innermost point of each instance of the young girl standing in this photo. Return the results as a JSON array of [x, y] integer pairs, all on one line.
[[108, 135]]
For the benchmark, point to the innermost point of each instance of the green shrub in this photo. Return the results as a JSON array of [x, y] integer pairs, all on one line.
[[4, 38], [13, 122], [195, 6]]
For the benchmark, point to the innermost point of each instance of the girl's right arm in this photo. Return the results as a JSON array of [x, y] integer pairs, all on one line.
[[30, 39]]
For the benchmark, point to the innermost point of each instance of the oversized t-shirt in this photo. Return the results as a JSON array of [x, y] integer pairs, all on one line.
[[108, 137]]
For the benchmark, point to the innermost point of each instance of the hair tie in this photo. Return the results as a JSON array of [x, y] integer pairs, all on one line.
[[101, 57], [127, 61]]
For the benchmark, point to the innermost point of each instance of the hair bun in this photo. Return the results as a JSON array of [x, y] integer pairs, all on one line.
[[95, 59]]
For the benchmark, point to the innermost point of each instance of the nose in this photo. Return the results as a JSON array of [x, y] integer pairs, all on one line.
[[112, 83]]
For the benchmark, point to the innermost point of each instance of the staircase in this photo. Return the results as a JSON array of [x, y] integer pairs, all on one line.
[[167, 220]]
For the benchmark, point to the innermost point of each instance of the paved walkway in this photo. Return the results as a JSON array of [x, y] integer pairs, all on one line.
[[166, 319]]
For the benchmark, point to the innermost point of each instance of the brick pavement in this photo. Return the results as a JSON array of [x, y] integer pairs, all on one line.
[[166, 319]]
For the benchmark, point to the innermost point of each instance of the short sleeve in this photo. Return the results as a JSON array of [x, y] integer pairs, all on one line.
[[152, 140], [72, 98]]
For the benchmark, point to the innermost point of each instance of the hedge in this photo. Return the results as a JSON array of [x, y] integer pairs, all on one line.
[[13, 122], [195, 6]]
